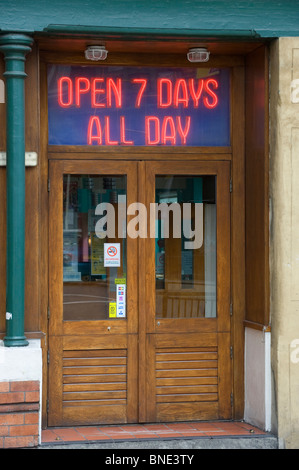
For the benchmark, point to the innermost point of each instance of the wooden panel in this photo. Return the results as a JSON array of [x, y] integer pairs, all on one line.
[[223, 248], [182, 340], [189, 324], [238, 293], [142, 306], [257, 176], [44, 234], [155, 49], [139, 59], [55, 381], [86, 415], [71, 152], [88, 327], [32, 220], [55, 249], [225, 376], [187, 411], [95, 342]]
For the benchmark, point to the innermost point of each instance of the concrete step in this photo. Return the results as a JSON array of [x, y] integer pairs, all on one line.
[[265, 441]]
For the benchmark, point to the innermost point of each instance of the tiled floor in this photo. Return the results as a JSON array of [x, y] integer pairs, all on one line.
[[148, 431]]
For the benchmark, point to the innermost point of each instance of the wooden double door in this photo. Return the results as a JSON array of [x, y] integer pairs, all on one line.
[[139, 291]]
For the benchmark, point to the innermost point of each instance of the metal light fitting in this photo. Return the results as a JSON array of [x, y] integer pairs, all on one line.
[[96, 53], [198, 54]]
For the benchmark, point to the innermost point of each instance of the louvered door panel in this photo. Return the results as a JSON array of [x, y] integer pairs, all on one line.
[[94, 385], [94, 378], [186, 375], [93, 382], [189, 377], [186, 382]]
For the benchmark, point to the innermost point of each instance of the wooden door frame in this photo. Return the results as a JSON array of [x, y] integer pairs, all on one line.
[[235, 153]]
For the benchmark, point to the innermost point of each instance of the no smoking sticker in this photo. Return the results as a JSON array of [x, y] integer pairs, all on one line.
[[111, 254]]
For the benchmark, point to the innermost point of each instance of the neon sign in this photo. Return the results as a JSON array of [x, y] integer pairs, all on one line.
[[138, 106]]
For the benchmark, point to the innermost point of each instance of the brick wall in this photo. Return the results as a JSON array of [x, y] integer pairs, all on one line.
[[19, 414]]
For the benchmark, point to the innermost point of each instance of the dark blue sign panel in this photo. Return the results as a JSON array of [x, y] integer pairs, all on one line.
[[138, 106]]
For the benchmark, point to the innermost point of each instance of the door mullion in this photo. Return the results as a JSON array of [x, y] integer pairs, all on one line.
[[142, 259]]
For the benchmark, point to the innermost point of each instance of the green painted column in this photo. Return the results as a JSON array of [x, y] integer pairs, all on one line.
[[15, 47]]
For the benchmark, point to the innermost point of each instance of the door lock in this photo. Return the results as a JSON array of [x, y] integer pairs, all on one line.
[[109, 328]]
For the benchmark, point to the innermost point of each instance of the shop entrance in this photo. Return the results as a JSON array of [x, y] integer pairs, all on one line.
[[139, 291]]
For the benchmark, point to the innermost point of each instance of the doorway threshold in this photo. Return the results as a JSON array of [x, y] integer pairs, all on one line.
[[210, 434]]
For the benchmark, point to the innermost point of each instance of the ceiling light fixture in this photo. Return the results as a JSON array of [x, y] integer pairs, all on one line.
[[96, 53], [198, 54]]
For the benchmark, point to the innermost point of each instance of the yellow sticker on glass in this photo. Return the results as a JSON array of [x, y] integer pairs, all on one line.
[[112, 309]]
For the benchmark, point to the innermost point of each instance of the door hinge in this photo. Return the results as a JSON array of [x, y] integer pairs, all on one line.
[[231, 185], [47, 405], [48, 313], [231, 309], [49, 184], [48, 357], [231, 352], [231, 399]]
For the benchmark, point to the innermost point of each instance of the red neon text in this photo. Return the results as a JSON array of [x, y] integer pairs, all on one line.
[[166, 131], [99, 132], [104, 92], [107, 92], [207, 103], [65, 85], [82, 86], [143, 83], [182, 91]]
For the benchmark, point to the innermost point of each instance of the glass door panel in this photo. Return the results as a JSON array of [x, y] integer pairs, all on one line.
[[185, 246], [94, 247]]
